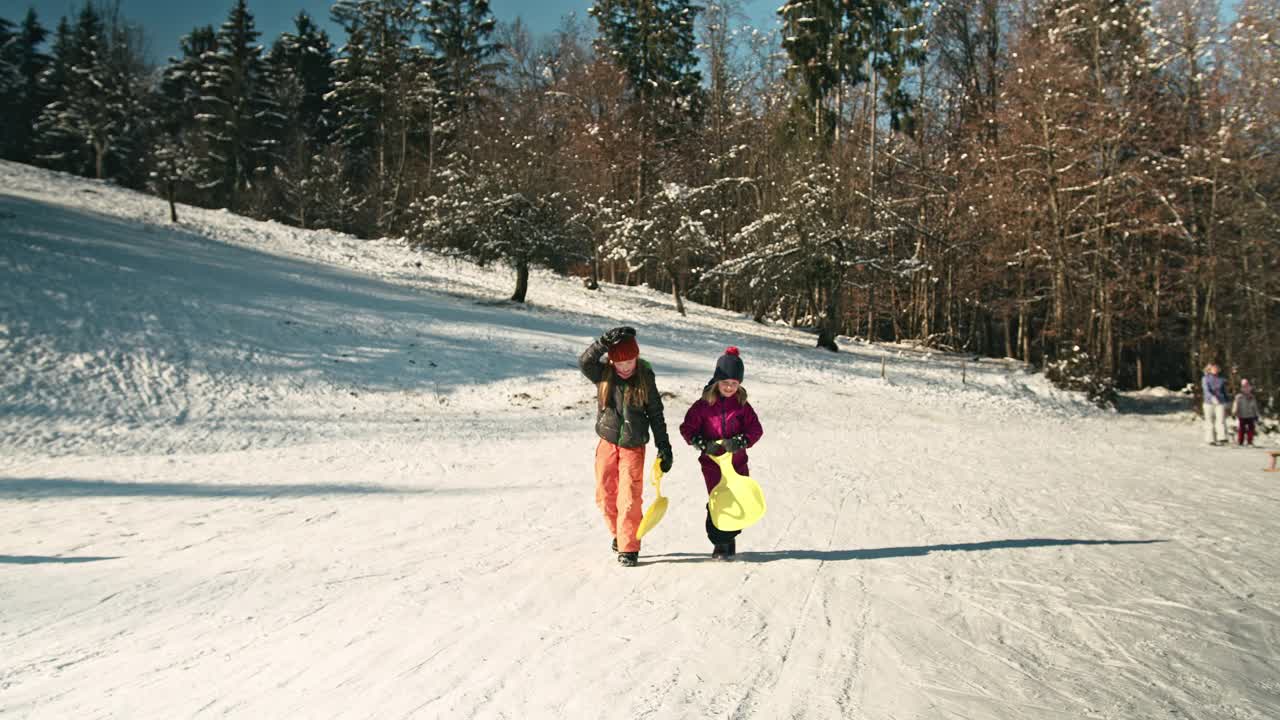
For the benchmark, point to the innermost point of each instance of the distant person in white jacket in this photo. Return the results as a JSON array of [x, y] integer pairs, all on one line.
[[1245, 409], [1215, 406]]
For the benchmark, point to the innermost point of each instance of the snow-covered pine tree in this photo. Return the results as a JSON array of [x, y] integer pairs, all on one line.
[[181, 80], [175, 170], [301, 68], [22, 63], [835, 46], [504, 199], [812, 37], [653, 42], [10, 82], [63, 128], [305, 57], [386, 106], [239, 122], [96, 112], [459, 36], [172, 166], [55, 149]]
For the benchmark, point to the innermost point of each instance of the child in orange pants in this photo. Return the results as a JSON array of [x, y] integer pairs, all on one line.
[[619, 484], [628, 406]]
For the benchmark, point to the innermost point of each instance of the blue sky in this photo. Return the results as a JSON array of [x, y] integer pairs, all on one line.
[[167, 20]]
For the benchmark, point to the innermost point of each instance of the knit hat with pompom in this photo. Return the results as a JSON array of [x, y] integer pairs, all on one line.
[[729, 366]]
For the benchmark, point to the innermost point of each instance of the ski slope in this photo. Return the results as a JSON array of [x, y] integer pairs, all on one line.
[[251, 471]]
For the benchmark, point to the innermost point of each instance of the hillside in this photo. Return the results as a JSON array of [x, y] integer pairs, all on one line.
[[254, 471]]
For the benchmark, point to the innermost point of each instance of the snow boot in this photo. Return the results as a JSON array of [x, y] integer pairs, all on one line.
[[724, 551], [615, 544], [628, 559]]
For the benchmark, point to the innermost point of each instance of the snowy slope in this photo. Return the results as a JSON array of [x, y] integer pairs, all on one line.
[[253, 471]]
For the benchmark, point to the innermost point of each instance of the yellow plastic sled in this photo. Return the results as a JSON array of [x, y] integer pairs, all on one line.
[[736, 501], [654, 514]]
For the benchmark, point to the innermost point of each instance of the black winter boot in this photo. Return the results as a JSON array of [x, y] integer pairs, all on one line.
[[615, 544], [720, 552], [628, 559]]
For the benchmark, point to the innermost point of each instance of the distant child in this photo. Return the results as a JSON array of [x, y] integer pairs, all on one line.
[[1245, 409], [1215, 406], [628, 406], [722, 413]]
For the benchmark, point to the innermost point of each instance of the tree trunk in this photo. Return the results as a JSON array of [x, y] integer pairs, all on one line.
[[394, 211], [1194, 349], [831, 323], [872, 334], [235, 184], [522, 280], [431, 148], [594, 283], [950, 307], [173, 208], [676, 291], [100, 159], [1008, 334], [1024, 339]]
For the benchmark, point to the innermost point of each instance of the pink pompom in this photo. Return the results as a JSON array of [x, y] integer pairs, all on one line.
[[731, 350]]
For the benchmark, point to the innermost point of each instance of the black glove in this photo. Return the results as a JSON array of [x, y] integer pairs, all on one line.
[[664, 459], [735, 443], [699, 442], [617, 335]]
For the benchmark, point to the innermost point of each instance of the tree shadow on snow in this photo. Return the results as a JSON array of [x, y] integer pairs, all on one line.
[[895, 552], [127, 286], [34, 488], [133, 288], [45, 559], [108, 290]]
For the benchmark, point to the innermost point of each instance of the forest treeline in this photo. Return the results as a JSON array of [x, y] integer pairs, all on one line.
[[1089, 186]]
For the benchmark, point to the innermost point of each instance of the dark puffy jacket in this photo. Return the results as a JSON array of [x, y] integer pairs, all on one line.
[[630, 427]]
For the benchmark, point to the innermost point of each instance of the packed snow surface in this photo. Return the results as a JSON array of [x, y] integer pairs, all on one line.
[[253, 471]]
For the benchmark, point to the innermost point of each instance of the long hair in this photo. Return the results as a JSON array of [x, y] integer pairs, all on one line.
[[713, 391], [635, 391]]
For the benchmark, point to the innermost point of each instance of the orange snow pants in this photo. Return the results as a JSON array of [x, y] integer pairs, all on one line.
[[619, 482]]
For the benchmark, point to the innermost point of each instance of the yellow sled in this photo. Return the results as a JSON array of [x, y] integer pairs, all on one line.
[[736, 501], [654, 514]]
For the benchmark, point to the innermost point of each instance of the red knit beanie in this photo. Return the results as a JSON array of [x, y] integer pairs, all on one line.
[[627, 349]]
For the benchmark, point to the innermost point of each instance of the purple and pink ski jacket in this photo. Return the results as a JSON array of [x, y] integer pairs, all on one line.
[[723, 419]]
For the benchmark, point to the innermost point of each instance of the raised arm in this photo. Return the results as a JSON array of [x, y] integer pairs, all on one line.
[[589, 361]]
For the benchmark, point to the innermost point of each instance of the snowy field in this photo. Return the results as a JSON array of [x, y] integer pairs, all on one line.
[[256, 472]]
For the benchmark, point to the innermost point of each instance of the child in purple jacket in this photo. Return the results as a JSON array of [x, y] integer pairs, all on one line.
[[722, 414]]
